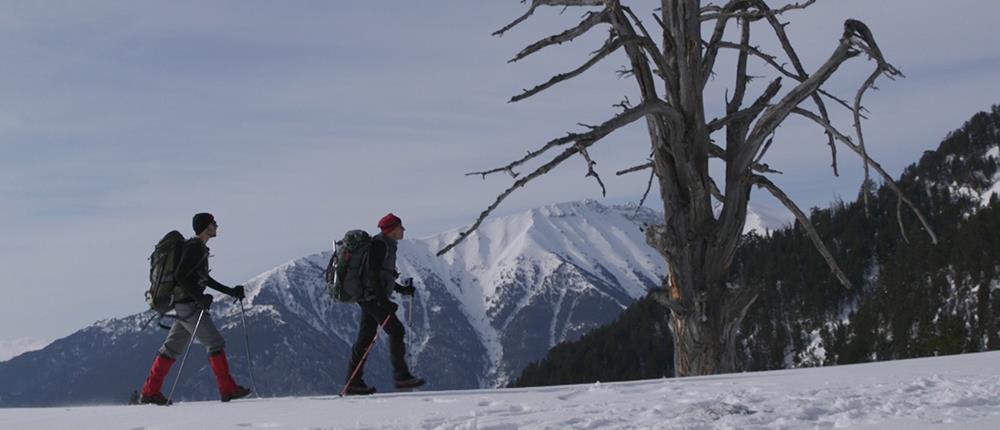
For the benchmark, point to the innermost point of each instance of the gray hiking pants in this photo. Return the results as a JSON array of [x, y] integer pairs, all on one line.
[[180, 332]]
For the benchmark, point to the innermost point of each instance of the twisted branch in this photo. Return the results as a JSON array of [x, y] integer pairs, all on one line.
[[582, 149], [771, 61], [536, 3], [878, 168], [710, 14], [592, 20], [856, 34], [583, 141], [803, 220], [611, 45]]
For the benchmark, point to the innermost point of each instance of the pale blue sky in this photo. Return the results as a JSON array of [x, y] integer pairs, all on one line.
[[294, 121]]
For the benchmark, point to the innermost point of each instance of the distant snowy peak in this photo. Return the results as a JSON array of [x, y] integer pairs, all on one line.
[[563, 224], [538, 224], [584, 233]]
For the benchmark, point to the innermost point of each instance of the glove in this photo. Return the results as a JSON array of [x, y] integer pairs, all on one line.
[[204, 302], [406, 288], [237, 292]]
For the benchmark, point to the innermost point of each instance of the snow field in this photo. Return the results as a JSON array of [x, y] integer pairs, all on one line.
[[945, 392]]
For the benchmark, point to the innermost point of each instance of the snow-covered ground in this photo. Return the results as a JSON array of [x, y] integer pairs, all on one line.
[[946, 392]]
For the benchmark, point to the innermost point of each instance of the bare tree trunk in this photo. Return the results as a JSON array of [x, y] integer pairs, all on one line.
[[706, 311]]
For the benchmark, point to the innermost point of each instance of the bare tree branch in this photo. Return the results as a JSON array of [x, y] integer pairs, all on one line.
[[878, 168], [633, 169], [786, 44], [670, 75], [748, 114], [773, 116], [536, 3], [583, 141], [649, 186], [899, 219], [645, 41], [739, 93], [627, 117], [754, 16], [712, 47], [716, 192], [883, 68], [592, 20], [503, 196], [771, 61], [803, 220], [611, 45], [763, 151], [582, 149]]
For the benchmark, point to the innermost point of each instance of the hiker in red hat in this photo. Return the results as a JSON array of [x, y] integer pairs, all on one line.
[[376, 308]]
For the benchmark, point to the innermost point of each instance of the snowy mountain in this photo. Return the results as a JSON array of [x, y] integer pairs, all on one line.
[[966, 166], [915, 298], [955, 392], [520, 285]]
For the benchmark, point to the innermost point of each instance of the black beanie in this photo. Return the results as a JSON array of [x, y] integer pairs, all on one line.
[[202, 221]]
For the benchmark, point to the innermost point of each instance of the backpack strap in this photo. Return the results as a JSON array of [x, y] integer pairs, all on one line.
[[159, 320]]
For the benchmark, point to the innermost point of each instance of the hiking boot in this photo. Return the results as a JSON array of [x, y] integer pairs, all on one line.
[[411, 382], [359, 388], [153, 399], [238, 393]]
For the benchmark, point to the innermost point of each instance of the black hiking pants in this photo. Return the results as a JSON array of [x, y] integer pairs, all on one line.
[[373, 313]]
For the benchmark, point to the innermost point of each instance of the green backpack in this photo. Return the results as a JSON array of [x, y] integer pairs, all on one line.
[[344, 273], [162, 264]]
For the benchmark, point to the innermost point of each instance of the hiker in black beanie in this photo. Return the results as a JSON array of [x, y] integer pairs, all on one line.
[[192, 276]]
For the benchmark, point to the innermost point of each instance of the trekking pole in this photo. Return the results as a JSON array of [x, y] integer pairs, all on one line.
[[186, 351], [246, 341], [364, 357], [409, 326], [409, 320]]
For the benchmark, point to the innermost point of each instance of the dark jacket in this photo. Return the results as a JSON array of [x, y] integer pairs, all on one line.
[[380, 273], [192, 272]]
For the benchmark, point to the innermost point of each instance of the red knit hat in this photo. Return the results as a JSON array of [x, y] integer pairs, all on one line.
[[389, 222]]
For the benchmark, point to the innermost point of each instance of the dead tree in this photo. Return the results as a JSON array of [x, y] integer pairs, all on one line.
[[699, 245]]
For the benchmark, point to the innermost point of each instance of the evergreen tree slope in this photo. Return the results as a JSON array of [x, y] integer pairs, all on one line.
[[632, 347], [912, 298]]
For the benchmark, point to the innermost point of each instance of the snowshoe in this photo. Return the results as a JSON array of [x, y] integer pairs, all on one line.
[[154, 399], [239, 393], [359, 390], [409, 383]]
